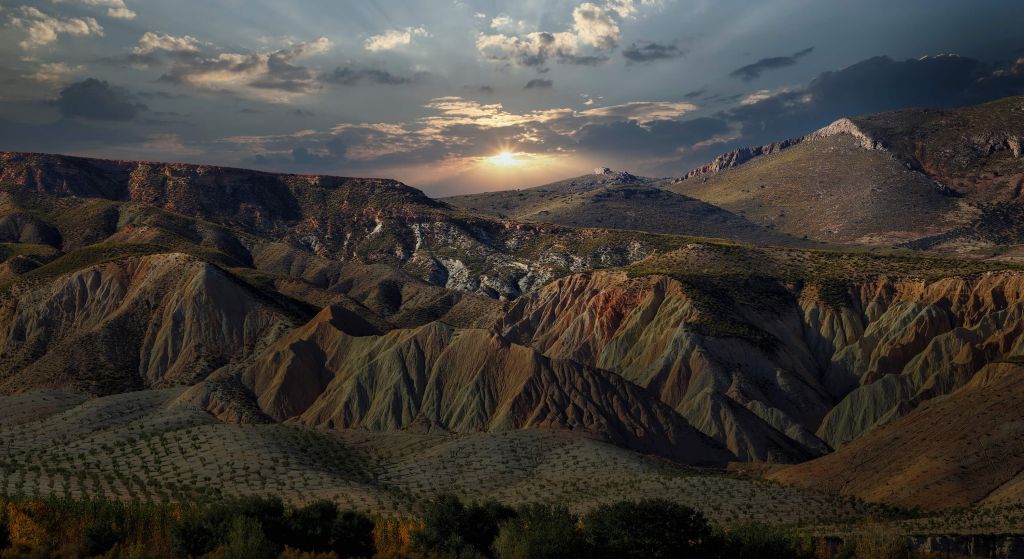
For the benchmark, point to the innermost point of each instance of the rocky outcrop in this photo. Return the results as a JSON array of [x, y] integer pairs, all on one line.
[[738, 157], [459, 380]]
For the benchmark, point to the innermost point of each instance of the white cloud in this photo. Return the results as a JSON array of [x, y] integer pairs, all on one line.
[[271, 76], [151, 42], [56, 73], [642, 112], [115, 8], [507, 24], [594, 32], [393, 38], [42, 29], [595, 25]]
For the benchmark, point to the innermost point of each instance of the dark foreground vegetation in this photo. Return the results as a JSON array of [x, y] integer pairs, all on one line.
[[265, 528]]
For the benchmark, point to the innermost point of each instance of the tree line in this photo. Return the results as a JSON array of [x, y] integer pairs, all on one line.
[[447, 528]]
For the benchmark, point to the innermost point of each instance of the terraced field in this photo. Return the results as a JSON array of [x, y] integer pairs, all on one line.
[[149, 446]]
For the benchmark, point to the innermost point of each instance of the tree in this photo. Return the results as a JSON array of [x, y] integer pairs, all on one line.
[[451, 528], [540, 532], [756, 541], [352, 535], [649, 529], [246, 540], [309, 527]]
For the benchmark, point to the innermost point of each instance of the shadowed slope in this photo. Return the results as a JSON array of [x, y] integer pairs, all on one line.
[[952, 451], [457, 380]]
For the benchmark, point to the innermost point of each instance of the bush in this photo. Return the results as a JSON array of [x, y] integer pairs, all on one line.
[[196, 535], [246, 540], [268, 511], [649, 529], [352, 535], [310, 527], [99, 537], [540, 532], [453, 529], [755, 541], [5, 532]]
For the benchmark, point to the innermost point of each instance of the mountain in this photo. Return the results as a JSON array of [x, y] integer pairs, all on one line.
[[925, 178], [619, 200]]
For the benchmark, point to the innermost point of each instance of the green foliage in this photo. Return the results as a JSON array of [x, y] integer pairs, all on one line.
[[310, 527], [454, 529], [540, 532], [196, 535], [649, 529], [246, 540], [100, 536], [756, 541], [352, 535]]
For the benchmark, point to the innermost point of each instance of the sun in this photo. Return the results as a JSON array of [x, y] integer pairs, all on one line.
[[505, 159]]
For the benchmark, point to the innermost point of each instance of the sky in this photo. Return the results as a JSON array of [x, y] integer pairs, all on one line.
[[461, 96]]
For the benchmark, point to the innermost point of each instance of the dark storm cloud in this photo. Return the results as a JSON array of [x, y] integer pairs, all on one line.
[[875, 85], [659, 138], [695, 93], [354, 75], [97, 100], [753, 71], [646, 51], [539, 83]]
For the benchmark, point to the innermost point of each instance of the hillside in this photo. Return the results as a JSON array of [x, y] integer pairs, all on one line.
[[946, 180], [954, 451], [618, 201]]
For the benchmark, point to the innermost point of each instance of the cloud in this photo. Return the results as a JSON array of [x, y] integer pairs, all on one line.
[[539, 83], [506, 24], [97, 100], [352, 75], [873, 85], [642, 111], [753, 71], [658, 139], [596, 26], [646, 51], [115, 8], [271, 76], [460, 129], [393, 38], [42, 29], [593, 34], [151, 42], [56, 72]]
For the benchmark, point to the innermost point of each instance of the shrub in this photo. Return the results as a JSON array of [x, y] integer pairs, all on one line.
[[352, 535], [451, 528], [540, 532], [195, 535], [246, 540], [269, 512], [310, 527], [649, 529], [756, 541], [99, 537]]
